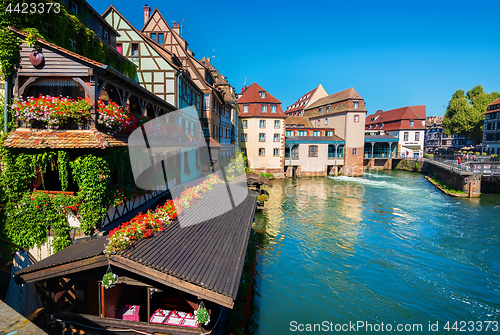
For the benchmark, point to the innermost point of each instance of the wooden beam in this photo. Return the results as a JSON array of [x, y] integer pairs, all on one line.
[[26, 84], [171, 281], [65, 269], [83, 84]]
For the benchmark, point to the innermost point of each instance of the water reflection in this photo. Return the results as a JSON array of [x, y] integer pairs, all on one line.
[[384, 248]]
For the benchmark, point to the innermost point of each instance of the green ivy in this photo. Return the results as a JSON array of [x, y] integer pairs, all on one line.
[[92, 175], [63, 164]]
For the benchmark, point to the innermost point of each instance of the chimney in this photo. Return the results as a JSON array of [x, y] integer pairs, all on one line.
[[147, 11], [177, 28]]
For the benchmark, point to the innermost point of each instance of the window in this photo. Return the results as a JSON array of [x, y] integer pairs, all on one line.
[[100, 31], [106, 37], [412, 123], [318, 123], [313, 151], [356, 118], [262, 137], [153, 36], [119, 48], [243, 137], [327, 110], [356, 105], [276, 124], [354, 151], [289, 133], [245, 109], [302, 133], [276, 138], [382, 125], [276, 152], [74, 8], [262, 152], [417, 136], [264, 108], [405, 136], [262, 124], [135, 49], [319, 111], [273, 109], [329, 133], [186, 163], [160, 38], [326, 122], [316, 133], [262, 95], [244, 124]]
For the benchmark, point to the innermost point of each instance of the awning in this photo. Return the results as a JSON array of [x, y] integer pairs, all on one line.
[[412, 147]]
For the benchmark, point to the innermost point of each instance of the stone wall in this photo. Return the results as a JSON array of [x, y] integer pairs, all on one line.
[[353, 164]]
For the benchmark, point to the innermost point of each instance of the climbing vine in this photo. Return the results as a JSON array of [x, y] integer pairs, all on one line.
[[63, 164], [91, 174]]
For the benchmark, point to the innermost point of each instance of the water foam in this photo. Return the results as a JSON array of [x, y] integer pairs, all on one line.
[[369, 182]]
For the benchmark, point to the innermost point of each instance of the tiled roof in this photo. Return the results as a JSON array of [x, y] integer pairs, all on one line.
[[398, 118], [62, 139], [347, 94], [497, 101], [301, 103], [252, 95], [430, 120], [298, 121]]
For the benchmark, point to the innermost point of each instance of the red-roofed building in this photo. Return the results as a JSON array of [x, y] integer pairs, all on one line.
[[345, 112], [297, 108], [262, 129], [406, 123], [491, 132]]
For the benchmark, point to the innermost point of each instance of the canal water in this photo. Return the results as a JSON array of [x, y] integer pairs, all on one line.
[[386, 248]]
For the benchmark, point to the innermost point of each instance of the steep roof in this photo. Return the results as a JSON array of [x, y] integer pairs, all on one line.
[[251, 97], [301, 103], [492, 109], [347, 94], [398, 118], [62, 139]]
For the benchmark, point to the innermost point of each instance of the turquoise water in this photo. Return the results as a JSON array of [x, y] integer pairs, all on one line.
[[387, 247]]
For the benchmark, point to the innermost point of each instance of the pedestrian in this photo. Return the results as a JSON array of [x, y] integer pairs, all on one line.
[[474, 158]]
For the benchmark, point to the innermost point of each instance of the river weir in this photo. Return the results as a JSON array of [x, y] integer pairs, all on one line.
[[388, 248]]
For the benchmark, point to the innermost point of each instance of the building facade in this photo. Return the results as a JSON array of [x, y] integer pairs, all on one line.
[[262, 130], [491, 132], [345, 112], [406, 123]]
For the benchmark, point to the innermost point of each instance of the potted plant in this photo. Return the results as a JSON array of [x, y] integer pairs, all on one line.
[[202, 316], [109, 280]]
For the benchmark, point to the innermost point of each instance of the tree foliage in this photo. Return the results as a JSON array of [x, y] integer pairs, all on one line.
[[465, 113]]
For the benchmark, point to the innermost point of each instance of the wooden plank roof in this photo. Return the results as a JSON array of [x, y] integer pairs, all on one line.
[[204, 259]]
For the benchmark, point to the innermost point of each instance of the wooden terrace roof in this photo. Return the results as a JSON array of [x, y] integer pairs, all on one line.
[[204, 259]]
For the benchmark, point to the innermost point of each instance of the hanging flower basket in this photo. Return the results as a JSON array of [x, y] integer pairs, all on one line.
[[109, 280], [201, 315]]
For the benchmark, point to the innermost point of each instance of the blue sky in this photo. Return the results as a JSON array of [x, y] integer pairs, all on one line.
[[394, 53]]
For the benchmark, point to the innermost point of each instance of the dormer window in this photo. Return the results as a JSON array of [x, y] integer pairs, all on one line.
[[153, 36], [412, 123], [273, 109], [264, 108], [319, 111], [356, 105], [262, 95], [382, 125]]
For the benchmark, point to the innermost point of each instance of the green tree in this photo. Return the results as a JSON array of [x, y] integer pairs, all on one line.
[[465, 113]]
